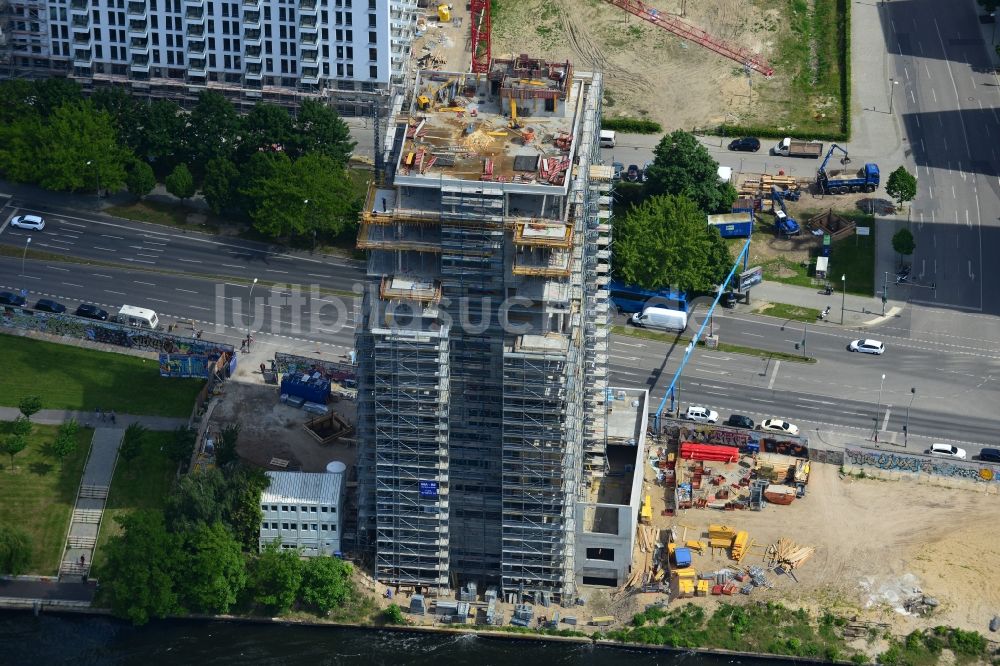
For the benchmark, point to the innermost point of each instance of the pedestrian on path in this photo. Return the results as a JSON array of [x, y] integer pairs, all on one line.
[[98, 413], [83, 560], [113, 417]]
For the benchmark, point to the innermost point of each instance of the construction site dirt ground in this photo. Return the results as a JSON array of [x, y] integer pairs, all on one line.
[[875, 542], [651, 73]]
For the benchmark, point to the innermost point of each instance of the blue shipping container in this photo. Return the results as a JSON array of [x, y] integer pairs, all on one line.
[[733, 225], [306, 387], [629, 298]]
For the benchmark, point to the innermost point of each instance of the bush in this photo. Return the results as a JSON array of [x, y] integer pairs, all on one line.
[[393, 615], [631, 125]]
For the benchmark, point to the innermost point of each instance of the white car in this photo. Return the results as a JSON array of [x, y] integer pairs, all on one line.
[[777, 425], [946, 451], [32, 222], [867, 346], [701, 414]]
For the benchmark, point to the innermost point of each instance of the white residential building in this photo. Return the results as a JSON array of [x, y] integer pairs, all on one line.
[[304, 510], [251, 49]]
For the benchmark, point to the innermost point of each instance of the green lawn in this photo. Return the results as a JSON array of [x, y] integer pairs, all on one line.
[[68, 377], [141, 484], [855, 258], [168, 214], [681, 342], [793, 312], [39, 494]]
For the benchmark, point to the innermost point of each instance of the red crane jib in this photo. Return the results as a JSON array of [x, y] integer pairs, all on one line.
[[480, 25], [688, 32]]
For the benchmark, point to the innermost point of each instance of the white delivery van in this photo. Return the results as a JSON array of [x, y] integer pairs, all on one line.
[[139, 317], [668, 320], [607, 139]]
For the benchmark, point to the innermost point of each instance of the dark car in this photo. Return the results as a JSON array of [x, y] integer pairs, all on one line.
[[990, 455], [633, 173], [747, 144], [48, 305], [91, 312], [728, 300], [618, 168], [739, 421], [8, 298]]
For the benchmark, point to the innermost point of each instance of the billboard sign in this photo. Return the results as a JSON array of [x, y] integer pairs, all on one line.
[[429, 489], [749, 278]]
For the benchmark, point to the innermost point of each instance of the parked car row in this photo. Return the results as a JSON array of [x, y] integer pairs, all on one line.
[[701, 414], [48, 305], [633, 173]]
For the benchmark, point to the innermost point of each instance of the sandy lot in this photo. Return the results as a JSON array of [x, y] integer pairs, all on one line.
[[875, 542], [651, 72]]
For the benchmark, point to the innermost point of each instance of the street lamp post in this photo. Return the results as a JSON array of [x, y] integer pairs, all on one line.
[[843, 296], [250, 312], [27, 242], [885, 291], [878, 406], [97, 172], [906, 424]]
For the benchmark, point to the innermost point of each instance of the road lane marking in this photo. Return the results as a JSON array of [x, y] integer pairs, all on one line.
[[70, 224], [138, 261], [232, 266], [151, 256], [70, 284], [187, 291], [105, 249], [756, 335], [906, 71], [972, 276], [100, 275], [928, 70], [934, 94], [117, 293], [56, 268], [885, 421], [190, 261], [110, 236], [624, 344], [147, 249], [774, 375], [822, 402], [961, 118], [953, 195], [968, 222], [271, 270], [945, 139], [198, 307], [148, 284], [912, 98], [330, 277], [156, 300]]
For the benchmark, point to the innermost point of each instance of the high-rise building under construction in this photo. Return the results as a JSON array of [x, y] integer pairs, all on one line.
[[482, 347]]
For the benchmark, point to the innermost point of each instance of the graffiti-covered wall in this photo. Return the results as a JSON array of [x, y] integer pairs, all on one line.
[[179, 356], [337, 371], [891, 461], [743, 439]]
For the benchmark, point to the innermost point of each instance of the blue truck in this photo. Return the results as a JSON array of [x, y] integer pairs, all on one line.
[[733, 225], [842, 181], [783, 224], [629, 298]]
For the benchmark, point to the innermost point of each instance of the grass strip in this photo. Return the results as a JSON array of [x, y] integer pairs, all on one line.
[[722, 347], [788, 311], [38, 495], [81, 379]]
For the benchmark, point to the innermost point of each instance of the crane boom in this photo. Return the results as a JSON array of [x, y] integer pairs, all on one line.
[[690, 33]]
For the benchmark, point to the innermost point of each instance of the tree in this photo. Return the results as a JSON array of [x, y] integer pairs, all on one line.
[[18, 139], [132, 441], [53, 93], [13, 445], [393, 614], [78, 148], [196, 499], [180, 182], [225, 447], [211, 130], [30, 405], [665, 241], [140, 179], [66, 443], [214, 571], [312, 194], [903, 243], [243, 514], [326, 583], [122, 108], [318, 129], [267, 127], [17, 100], [142, 562], [681, 165], [219, 186], [901, 186], [181, 445], [21, 426], [15, 550], [160, 128], [275, 578]]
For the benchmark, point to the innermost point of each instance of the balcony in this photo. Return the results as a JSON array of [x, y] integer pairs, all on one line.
[[307, 6], [254, 71], [251, 19], [252, 37], [81, 21], [79, 5], [309, 39], [251, 4], [310, 56], [140, 64], [196, 46], [83, 57], [136, 8], [195, 14], [196, 67], [308, 22], [82, 38], [252, 54], [139, 45], [194, 3], [310, 75]]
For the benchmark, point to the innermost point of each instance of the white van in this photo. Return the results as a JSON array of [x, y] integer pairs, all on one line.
[[668, 320], [607, 139], [139, 317]]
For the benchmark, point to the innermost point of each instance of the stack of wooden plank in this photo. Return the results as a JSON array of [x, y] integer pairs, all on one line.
[[721, 536], [647, 538], [741, 542], [789, 554]]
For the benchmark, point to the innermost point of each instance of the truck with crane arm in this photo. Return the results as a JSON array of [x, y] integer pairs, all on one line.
[[842, 181], [785, 225]]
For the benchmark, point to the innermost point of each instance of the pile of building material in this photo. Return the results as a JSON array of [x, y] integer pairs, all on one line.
[[788, 554], [721, 536], [647, 537], [741, 546]]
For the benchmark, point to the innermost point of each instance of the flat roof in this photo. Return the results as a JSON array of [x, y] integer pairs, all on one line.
[[292, 487]]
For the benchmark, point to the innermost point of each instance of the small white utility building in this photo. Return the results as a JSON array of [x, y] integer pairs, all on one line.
[[304, 510]]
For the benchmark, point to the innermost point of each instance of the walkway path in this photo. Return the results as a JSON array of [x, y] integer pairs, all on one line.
[[89, 510], [859, 311], [91, 419]]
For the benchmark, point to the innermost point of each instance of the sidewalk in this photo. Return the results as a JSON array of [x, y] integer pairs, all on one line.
[[859, 311], [90, 419]]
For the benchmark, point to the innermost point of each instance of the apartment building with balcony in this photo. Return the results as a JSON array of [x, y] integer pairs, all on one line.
[[344, 50]]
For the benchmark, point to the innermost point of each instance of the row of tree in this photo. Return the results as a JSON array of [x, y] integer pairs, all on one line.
[[663, 239], [286, 175], [200, 554]]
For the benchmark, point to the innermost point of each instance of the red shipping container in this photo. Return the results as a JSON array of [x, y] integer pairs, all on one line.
[[695, 451]]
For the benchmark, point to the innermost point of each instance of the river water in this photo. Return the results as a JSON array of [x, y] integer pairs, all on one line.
[[83, 641]]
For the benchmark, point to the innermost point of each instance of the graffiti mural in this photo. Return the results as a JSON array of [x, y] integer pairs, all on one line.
[[891, 461], [178, 355], [335, 371]]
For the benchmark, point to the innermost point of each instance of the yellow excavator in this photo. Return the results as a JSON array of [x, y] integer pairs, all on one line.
[[514, 122]]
